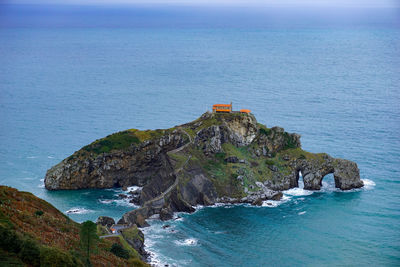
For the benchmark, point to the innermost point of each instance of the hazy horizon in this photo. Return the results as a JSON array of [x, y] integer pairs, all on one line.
[[63, 14]]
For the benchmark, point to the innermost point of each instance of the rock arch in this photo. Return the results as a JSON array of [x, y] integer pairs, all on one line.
[[345, 173]]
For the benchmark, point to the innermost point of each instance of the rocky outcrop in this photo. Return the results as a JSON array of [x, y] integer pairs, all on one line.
[[137, 164], [345, 173], [227, 158], [135, 239], [105, 221]]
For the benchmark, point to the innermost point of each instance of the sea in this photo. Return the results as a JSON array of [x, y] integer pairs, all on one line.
[[71, 75]]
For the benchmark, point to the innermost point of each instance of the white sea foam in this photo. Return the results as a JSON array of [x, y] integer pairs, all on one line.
[[368, 184], [186, 242], [119, 202], [302, 212], [275, 203], [78, 211], [31, 157], [297, 191], [50, 157], [133, 188]]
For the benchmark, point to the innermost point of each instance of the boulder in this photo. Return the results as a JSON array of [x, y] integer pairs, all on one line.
[[141, 221], [105, 221], [232, 159], [166, 214]]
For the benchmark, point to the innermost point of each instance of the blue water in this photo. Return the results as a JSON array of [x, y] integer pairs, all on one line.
[[339, 87]]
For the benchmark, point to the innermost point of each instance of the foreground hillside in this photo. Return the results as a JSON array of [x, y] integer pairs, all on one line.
[[34, 233], [217, 158]]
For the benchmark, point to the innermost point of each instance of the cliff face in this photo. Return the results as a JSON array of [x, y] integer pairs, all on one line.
[[216, 158]]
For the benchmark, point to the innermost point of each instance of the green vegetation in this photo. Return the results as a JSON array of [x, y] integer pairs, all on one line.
[[118, 140], [38, 213], [131, 233], [88, 238], [122, 140], [28, 251], [46, 238], [102, 230], [119, 251], [290, 141], [54, 257], [265, 131], [132, 252], [269, 162]]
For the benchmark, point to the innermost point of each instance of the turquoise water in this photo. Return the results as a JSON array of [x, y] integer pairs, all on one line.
[[62, 88]]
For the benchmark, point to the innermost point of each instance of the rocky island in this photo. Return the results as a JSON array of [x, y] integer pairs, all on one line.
[[220, 157]]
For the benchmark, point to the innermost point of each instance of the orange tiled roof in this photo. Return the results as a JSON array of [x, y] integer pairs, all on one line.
[[222, 105]]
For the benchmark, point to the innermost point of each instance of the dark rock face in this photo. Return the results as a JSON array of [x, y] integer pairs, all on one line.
[[166, 214], [137, 165], [105, 221]]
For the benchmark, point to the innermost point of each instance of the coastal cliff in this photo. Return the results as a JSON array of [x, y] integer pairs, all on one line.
[[34, 233], [220, 157]]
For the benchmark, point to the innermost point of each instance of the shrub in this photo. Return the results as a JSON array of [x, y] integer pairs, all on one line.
[[302, 156], [9, 240], [118, 140], [39, 213], [119, 251], [253, 163], [289, 140], [265, 131], [54, 257], [220, 155], [269, 162], [30, 252]]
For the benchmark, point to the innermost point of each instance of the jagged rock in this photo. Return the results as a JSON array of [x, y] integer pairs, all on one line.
[[141, 221], [232, 159], [105, 221], [257, 202], [273, 168], [166, 214], [135, 196], [122, 196]]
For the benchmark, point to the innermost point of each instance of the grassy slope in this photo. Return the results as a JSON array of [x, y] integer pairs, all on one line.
[[32, 218]]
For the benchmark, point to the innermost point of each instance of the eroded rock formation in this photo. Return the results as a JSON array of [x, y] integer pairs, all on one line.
[[216, 158]]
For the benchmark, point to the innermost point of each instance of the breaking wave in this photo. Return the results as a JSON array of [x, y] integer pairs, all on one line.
[[186, 242], [78, 211]]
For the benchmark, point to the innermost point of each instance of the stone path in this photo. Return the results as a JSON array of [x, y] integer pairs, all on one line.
[[169, 189]]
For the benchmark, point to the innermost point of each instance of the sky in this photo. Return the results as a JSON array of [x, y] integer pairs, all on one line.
[[199, 13], [272, 3]]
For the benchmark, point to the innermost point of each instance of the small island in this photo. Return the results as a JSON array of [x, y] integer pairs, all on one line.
[[224, 156]]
